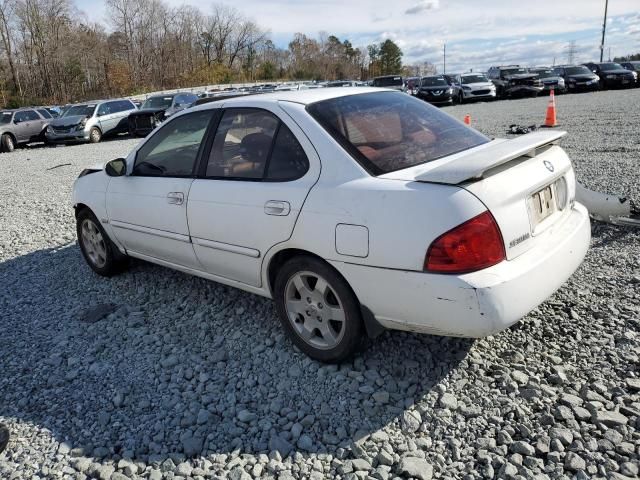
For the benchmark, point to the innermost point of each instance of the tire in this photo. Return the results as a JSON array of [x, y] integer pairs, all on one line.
[[98, 250], [318, 310], [95, 135], [461, 98], [8, 143]]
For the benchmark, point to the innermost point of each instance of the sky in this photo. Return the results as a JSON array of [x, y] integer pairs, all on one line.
[[477, 33]]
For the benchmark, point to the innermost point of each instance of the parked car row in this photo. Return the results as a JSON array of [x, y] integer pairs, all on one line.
[[513, 81]]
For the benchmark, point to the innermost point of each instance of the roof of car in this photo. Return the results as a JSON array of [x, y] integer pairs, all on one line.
[[305, 97]]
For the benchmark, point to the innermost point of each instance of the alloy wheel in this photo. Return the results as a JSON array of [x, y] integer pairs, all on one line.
[[314, 310]]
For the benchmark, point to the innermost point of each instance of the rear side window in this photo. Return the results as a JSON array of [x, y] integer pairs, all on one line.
[[389, 131], [288, 160], [44, 113]]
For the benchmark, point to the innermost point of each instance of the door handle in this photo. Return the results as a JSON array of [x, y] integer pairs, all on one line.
[[277, 207], [175, 198]]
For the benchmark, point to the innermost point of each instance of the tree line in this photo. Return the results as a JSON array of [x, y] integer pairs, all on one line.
[[50, 53]]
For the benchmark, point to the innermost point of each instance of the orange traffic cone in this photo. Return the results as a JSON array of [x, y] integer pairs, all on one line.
[[467, 119], [551, 120]]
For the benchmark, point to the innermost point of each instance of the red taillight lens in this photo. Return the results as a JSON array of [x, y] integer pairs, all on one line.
[[474, 245]]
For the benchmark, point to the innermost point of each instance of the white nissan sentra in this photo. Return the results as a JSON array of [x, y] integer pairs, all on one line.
[[354, 209]]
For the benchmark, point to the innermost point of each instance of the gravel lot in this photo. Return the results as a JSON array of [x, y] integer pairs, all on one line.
[[190, 379]]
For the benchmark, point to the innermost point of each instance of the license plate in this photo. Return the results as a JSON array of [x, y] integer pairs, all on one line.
[[625, 81], [542, 204]]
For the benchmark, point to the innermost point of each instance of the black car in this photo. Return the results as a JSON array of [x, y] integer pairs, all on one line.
[[612, 75], [578, 78], [456, 83], [633, 66], [156, 109], [515, 81], [436, 90]]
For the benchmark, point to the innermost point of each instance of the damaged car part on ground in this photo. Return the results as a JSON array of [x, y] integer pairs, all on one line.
[[329, 263]]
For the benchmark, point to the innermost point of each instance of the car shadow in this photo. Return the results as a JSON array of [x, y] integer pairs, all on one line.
[[186, 367]]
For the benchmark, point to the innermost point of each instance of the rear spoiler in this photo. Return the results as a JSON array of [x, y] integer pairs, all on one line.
[[475, 164]]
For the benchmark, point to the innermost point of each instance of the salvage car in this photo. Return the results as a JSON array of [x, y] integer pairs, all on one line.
[[356, 210], [515, 81], [157, 109], [578, 78], [436, 90], [90, 121], [550, 80], [21, 127], [612, 75], [475, 86]]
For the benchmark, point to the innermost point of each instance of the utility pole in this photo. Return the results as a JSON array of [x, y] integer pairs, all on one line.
[[444, 58], [604, 28]]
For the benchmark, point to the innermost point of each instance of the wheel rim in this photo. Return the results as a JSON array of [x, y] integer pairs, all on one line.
[[93, 243], [95, 135], [10, 143], [314, 310]]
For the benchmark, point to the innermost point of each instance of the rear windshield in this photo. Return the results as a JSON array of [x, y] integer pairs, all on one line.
[[387, 82], [389, 131], [610, 66], [544, 73]]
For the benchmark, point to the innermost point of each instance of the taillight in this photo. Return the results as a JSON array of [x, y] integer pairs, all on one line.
[[471, 246]]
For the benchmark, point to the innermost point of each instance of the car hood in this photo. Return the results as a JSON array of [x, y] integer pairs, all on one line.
[[478, 85], [432, 89], [521, 76], [581, 77], [149, 111], [67, 121], [621, 71]]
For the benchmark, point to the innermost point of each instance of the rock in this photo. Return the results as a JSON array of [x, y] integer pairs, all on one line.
[[192, 446], [523, 448], [295, 371], [611, 419], [184, 469], [448, 401], [305, 443], [574, 462], [360, 464], [246, 416], [630, 469], [519, 377], [381, 397], [504, 438], [411, 421], [280, 445], [170, 361], [633, 383], [416, 468], [385, 458]]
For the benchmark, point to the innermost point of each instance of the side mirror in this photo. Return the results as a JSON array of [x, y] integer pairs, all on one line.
[[116, 168], [17, 121]]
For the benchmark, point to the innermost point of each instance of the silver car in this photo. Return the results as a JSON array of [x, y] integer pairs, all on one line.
[[475, 86], [90, 121]]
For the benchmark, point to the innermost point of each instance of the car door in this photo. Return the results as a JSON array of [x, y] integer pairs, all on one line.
[[251, 187], [108, 117], [148, 207], [35, 126], [21, 126]]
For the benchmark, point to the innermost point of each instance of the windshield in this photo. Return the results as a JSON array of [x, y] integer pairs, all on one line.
[[545, 73], [512, 71], [578, 71], [434, 82], [5, 117], [84, 110], [389, 131], [157, 102], [387, 82], [474, 79], [610, 66]]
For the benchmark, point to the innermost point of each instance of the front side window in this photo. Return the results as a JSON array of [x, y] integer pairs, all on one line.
[[30, 115], [388, 131], [21, 117], [242, 144], [173, 150]]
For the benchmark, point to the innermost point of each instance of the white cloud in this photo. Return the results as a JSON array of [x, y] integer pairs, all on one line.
[[422, 6]]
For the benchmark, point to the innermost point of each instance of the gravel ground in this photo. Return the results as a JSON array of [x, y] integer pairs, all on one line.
[[189, 379]]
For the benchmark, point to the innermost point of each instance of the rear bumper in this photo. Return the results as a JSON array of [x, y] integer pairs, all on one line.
[[476, 304]]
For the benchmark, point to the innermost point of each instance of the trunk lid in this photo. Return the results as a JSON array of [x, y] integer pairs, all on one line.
[[526, 183]]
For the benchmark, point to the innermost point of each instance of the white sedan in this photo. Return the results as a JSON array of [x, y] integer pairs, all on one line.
[[355, 210]]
